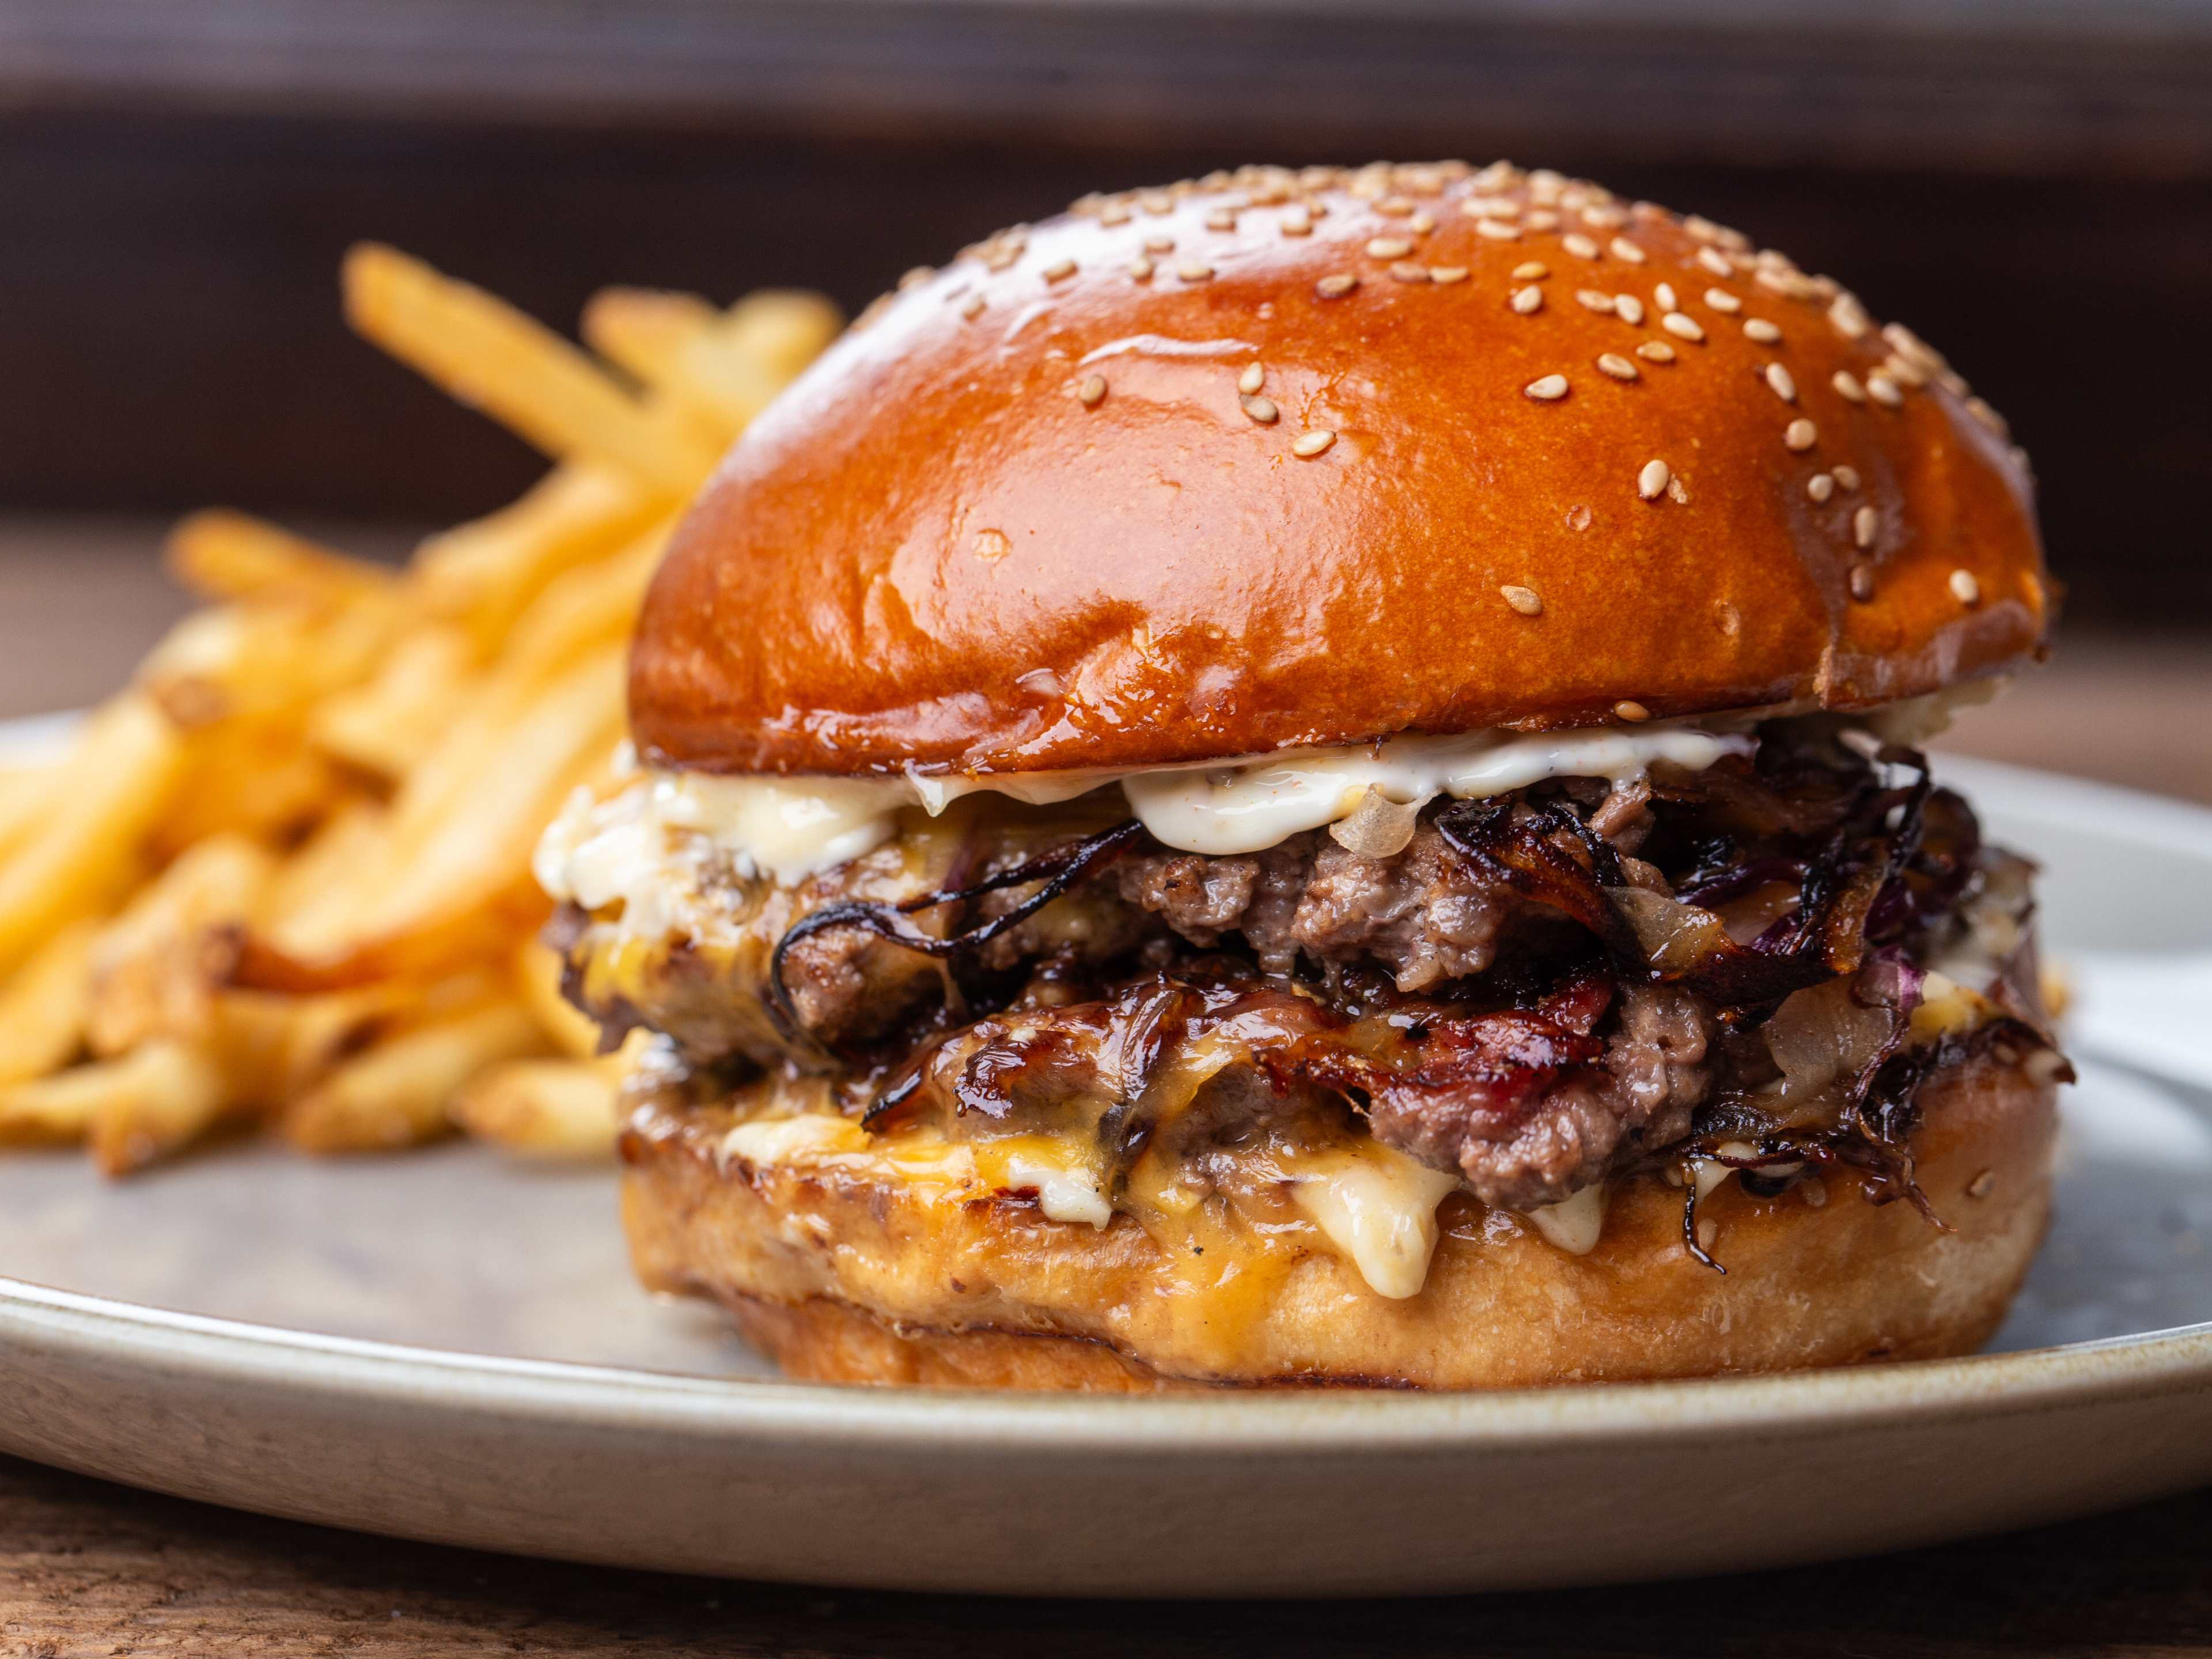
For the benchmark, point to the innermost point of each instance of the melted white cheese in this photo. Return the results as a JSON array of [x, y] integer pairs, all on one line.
[[1378, 1207], [1575, 1222], [597, 853]]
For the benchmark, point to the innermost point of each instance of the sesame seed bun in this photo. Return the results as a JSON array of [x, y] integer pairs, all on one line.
[[1278, 458], [841, 1277]]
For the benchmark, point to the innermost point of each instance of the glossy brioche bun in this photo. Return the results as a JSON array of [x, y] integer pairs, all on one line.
[[840, 1277], [1023, 517]]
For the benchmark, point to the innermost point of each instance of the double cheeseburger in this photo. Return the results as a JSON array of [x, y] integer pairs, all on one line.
[[1309, 777]]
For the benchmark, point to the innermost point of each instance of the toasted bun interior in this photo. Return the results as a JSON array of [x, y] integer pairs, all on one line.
[[844, 1278]]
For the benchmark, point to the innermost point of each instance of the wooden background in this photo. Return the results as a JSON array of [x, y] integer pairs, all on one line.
[[2028, 182]]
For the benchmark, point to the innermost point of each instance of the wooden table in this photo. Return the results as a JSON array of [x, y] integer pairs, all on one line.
[[88, 1568]]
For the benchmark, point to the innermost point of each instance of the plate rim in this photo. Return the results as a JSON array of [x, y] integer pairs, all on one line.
[[1257, 1422]]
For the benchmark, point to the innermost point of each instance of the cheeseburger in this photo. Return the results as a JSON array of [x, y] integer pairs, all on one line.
[[1310, 777]]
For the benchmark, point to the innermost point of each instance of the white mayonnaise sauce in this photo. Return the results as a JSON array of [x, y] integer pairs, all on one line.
[[596, 852]]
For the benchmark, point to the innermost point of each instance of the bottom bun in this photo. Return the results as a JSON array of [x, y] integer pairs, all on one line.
[[844, 1270]]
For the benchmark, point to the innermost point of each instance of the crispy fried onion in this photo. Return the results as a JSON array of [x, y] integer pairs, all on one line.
[[1054, 872]]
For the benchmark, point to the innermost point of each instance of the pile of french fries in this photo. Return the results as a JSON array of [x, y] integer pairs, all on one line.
[[283, 877]]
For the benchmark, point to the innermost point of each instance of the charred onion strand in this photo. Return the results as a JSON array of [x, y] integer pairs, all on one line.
[[1055, 873]]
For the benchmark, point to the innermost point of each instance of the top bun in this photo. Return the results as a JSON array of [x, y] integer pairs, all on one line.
[[1284, 457]]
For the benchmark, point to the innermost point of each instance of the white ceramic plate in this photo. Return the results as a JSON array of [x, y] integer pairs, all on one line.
[[443, 1346]]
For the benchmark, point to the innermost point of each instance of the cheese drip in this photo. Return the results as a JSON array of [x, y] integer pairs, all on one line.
[[598, 852]]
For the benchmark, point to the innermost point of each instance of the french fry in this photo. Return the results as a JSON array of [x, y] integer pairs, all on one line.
[[24, 791], [537, 973], [483, 575], [147, 1104], [221, 555], [104, 800], [449, 864], [247, 658], [156, 968], [287, 873], [395, 1094], [735, 369], [544, 1108], [644, 331], [251, 777], [388, 725], [272, 1047], [43, 1005], [151, 1101], [490, 355]]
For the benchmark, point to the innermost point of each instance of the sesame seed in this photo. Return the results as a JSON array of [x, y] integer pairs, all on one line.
[[1663, 297], [1782, 383], [1656, 352], [1528, 300], [1862, 579], [1141, 269], [1715, 261], [1579, 245], [1192, 270], [1159, 245], [1307, 445], [1820, 486], [1530, 271], [1801, 434], [1617, 366], [1721, 300], [1758, 329], [1622, 248], [1498, 230], [1629, 308], [1092, 391], [1883, 389], [1849, 316], [1254, 377], [1410, 270], [1421, 223], [919, 275], [1396, 206], [1548, 390], [1634, 713], [1158, 202], [1540, 218], [1526, 600], [1902, 372], [1447, 274], [1651, 483], [1059, 270], [972, 307], [1847, 386], [1594, 300], [1864, 523], [1336, 287], [1389, 248], [1980, 410], [1847, 478], [1682, 328], [1965, 588], [1221, 219], [1296, 224], [1262, 409]]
